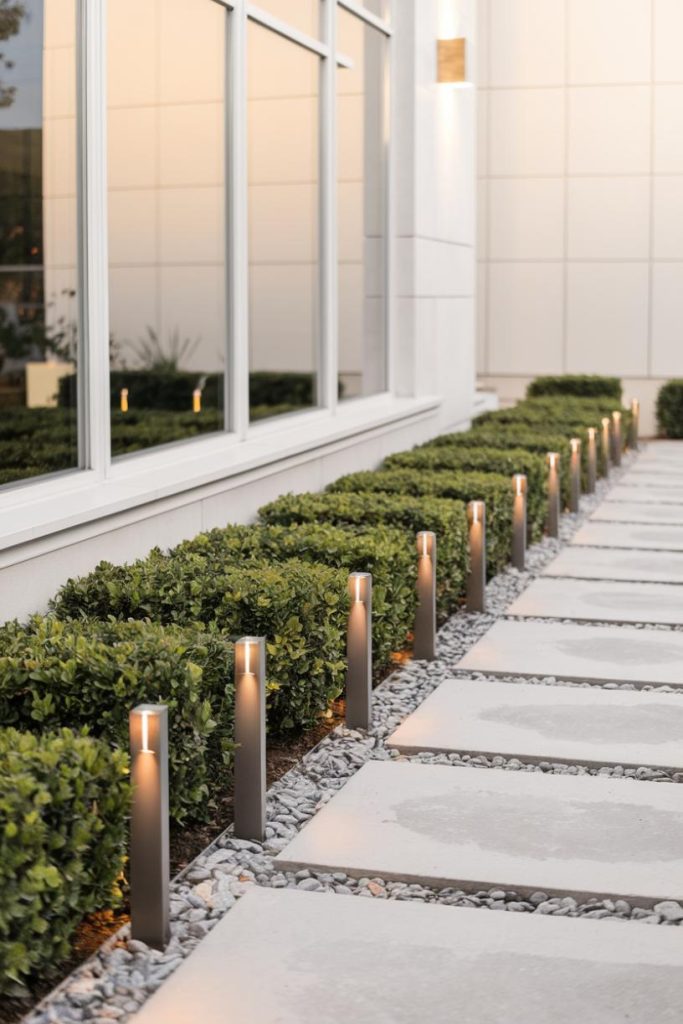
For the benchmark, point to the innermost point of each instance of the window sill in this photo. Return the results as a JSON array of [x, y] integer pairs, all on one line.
[[51, 506]]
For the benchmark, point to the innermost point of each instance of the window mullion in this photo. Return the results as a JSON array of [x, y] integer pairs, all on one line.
[[328, 358], [238, 225]]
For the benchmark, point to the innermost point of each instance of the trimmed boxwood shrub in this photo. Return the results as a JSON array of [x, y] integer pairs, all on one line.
[[670, 409], [89, 674], [409, 513], [301, 609], [583, 386], [492, 488], [64, 802], [380, 550], [487, 460]]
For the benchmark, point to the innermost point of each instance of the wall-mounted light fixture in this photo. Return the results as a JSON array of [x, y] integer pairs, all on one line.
[[149, 839], [635, 423], [592, 460], [250, 738], [451, 60], [519, 518], [575, 475], [606, 444], [553, 494], [476, 581], [616, 438], [359, 652], [424, 642], [124, 399]]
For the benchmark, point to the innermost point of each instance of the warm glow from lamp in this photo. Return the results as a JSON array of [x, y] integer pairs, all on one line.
[[552, 459], [519, 484], [358, 589], [124, 399], [591, 433], [575, 445], [144, 724], [451, 61]]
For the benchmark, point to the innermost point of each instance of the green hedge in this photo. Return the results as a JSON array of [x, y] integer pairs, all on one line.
[[380, 550], [300, 608], [492, 488], [487, 460], [410, 514], [670, 409], [580, 385], [64, 801], [89, 674]]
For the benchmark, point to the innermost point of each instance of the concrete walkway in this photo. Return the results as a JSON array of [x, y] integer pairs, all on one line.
[[288, 956]]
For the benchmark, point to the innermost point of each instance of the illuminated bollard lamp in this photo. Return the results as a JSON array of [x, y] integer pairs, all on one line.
[[575, 475], [359, 652], [606, 444], [616, 438], [250, 738], [149, 826], [635, 424], [592, 460], [476, 581], [519, 521], [424, 642], [553, 460]]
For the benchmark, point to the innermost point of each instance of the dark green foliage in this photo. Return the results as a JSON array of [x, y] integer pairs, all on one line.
[[384, 552], [487, 460], [492, 488], [670, 409], [411, 514], [64, 801], [580, 385], [300, 608], [90, 674]]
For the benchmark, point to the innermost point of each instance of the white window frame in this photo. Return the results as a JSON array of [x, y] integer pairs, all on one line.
[[103, 487]]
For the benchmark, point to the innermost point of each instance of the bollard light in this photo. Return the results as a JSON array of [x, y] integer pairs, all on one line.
[[476, 581], [196, 400], [592, 459], [250, 738], [635, 423], [616, 438], [519, 520], [575, 475], [359, 652], [149, 833], [424, 642], [606, 445], [124, 399], [553, 459]]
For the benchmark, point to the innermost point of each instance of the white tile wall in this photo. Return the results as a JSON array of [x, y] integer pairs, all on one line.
[[581, 191]]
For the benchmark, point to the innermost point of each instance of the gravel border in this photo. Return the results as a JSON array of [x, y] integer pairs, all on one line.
[[115, 982]]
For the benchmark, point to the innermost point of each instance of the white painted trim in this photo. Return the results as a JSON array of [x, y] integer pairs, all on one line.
[[238, 225], [282, 28], [328, 246], [366, 15]]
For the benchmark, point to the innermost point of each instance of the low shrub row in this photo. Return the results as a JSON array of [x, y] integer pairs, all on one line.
[[670, 409], [579, 385]]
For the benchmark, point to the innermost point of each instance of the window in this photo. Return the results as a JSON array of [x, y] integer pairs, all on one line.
[[303, 15], [284, 273], [362, 208], [39, 332], [167, 221]]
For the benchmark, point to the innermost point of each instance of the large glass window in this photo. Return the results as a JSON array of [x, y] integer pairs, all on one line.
[[38, 247], [362, 208], [303, 15], [167, 220], [284, 307]]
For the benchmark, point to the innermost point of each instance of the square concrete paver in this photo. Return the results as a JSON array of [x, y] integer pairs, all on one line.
[[592, 653], [574, 725], [638, 512], [645, 495], [601, 601], [282, 957], [649, 480], [629, 535], [477, 828], [617, 564]]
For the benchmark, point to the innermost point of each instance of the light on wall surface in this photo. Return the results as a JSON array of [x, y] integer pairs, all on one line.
[[451, 61], [359, 652]]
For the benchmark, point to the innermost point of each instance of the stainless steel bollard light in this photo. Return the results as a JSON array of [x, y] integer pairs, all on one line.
[[553, 459], [606, 444], [616, 438], [424, 642], [476, 581], [250, 738], [635, 424], [149, 837], [592, 459], [359, 652], [575, 475], [519, 520]]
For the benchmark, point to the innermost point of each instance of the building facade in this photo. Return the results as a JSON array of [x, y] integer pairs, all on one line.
[[238, 259]]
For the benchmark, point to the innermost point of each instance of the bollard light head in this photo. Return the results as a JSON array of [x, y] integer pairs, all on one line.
[[606, 422], [249, 652], [476, 511], [426, 544], [616, 416], [519, 484], [635, 406], [359, 587], [145, 729], [553, 460], [575, 445], [592, 432]]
